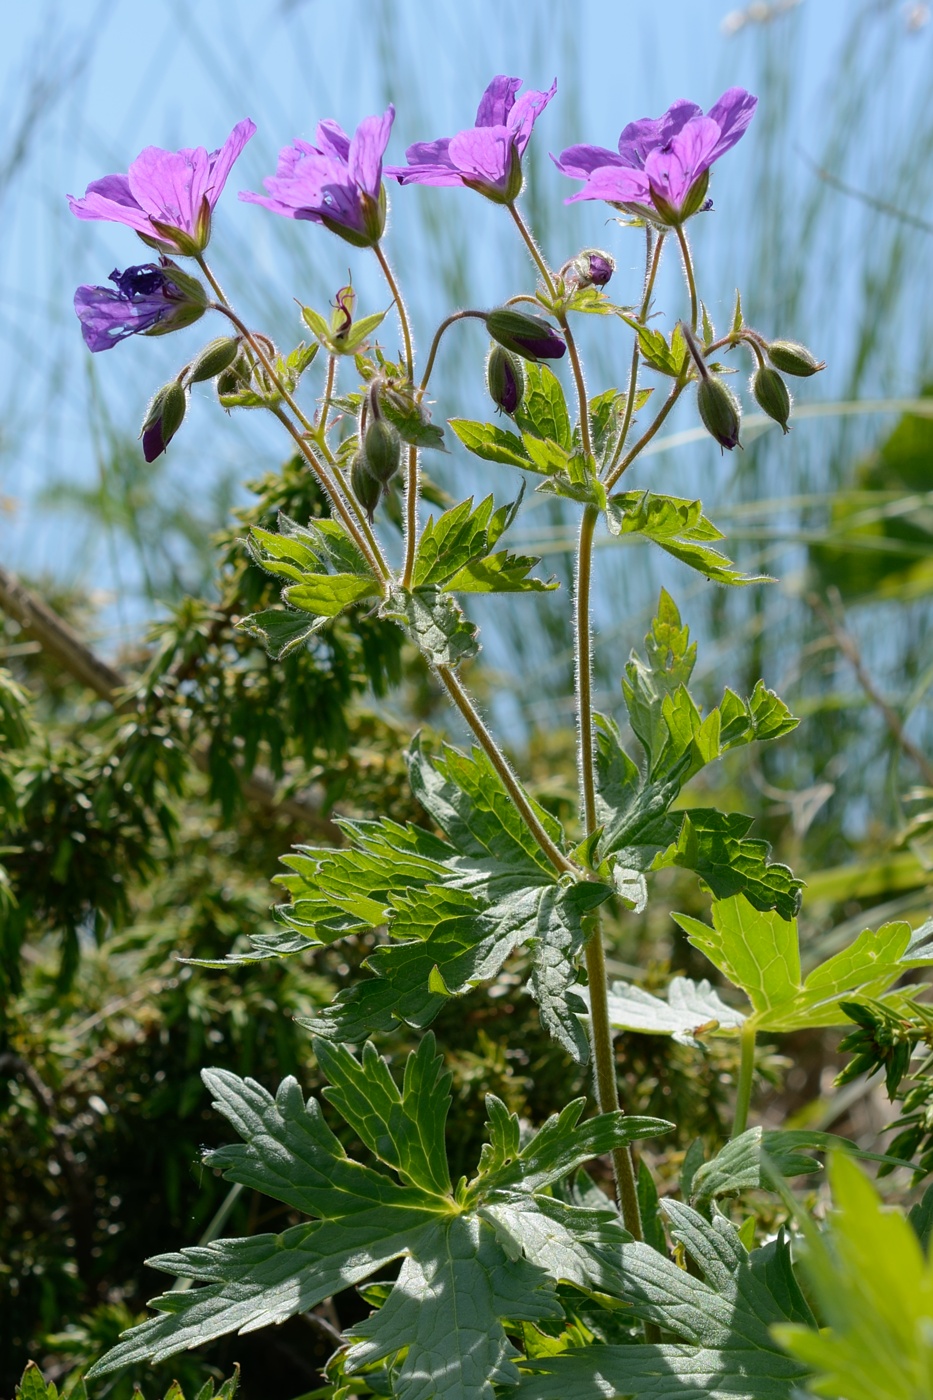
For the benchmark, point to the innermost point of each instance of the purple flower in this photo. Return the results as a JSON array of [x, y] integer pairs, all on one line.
[[488, 157], [337, 183], [662, 167], [166, 196], [147, 300]]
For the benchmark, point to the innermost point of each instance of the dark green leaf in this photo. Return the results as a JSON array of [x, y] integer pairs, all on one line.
[[280, 630], [411, 419], [435, 622], [713, 844], [723, 1319]]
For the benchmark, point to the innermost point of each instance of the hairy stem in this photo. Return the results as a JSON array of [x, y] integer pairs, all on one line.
[[435, 343], [534, 250], [653, 247], [691, 279], [461, 699], [743, 1094], [360, 532], [412, 476], [321, 417], [646, 436], [604, 1063]]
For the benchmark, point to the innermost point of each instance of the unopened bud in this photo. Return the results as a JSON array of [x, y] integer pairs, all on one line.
[[771, 395], [592, 268], [720, 411], [366, 488], [529, 336], [382, 450], [793, 358], [505, 379], [164, 416], [216, 356]]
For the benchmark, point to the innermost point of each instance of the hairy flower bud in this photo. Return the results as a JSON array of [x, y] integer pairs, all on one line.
[[529, 336], [382, 450], [793, 358], [366, 488], [592, 268], [720, 411], [164, 416], [505, 379], [216, 356], [771, 395]]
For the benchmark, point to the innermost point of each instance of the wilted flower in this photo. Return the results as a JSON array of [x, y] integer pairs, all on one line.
[[487, 157], [337, 183], [147, 300], [661, 169], [166, 196]]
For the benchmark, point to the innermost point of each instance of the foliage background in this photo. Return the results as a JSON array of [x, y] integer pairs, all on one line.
[[103, 1032]]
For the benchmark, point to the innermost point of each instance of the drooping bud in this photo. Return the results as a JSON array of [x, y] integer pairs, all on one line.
[[216, 356], [771, 395], [592, 268], [382, 450], [505, 379], [366, 488], [529, 336], [164, 416], [792, 358], [720, 411]]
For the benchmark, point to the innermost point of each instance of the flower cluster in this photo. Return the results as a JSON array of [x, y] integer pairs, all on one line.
[[660, 173]]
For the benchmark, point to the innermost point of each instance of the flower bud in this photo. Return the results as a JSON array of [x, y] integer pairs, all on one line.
[[164, 417], [382, 450], [366, 488], [720, 411], [793, 358], [505, 379], [592, 268], [771, 395], [216, 356], [529, 336]]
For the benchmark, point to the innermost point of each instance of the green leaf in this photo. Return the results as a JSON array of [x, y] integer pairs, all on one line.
[[750, 1161], [759, 952], [713, 844], [411, 419], [491, 443], [454, 908], [692, 1009], [543, 409], [325, 570], [455, 552], [328, 595], [434, 621], [874, 1285], [634, 809], [655, 350], [723, 1320], [281, 630], [33, 1387], [680, 528], [470, 1264]]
